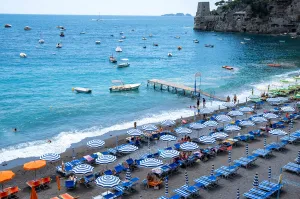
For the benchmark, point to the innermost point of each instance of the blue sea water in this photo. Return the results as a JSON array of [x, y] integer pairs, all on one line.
[[36, 92]]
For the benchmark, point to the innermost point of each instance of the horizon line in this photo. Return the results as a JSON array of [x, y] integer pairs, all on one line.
[[98, 15]]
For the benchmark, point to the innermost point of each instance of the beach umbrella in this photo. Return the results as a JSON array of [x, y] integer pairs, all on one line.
[[128, 174], [269, 173], [169, 154], [6, 176], [167, 138], [207, 139], [197, 126], [212, 172], [229, 157], [235, 113], [228, 104], [246, 109], [107, 181], [298, 158], [270, 116], [258, 119], [247, 123], [247, 150], [186, 178], [277, 132], [206, 111], [128, 148], [238, 194], [151, 162], [288, 109], [95, 143], [211, 123], [134, 132], [255, 181], [33, 194], [149, 127], [166, 186], [82, 169], [58, 183], [34, 165], [232, 128], [219, 135], [189, 146], [183, 130], [168, 123], [50, 157], [105, 159], [223, 118]]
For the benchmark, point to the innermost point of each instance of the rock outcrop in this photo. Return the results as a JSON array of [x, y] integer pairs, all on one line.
[[257, 16]]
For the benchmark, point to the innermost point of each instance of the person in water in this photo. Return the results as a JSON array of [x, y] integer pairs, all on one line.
[[234, 98], [203, 101], [228, 98], [15, 129]]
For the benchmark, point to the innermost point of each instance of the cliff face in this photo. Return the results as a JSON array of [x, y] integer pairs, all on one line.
[[257, 16]]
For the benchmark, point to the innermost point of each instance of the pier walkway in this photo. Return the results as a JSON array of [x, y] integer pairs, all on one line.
[[178, 87]]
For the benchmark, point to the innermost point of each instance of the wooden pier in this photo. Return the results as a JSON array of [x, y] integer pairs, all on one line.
[[170, 86]]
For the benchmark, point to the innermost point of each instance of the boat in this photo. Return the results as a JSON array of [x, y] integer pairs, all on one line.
[[120, 86], [82, 33], [209, 45], [98, 42], [123, 37], [7, 26], [177, 37], [59, 27], [62, 34], [170, 55], [41, 41], [62, 29], [274, 65], [82, 90], [120, 40], [154, 44], [119, 49], [179, 47], [111, 35], [228, 67], [247, 39], [150, 35], [121, 33], [281, 41], [196, 41], [243, 42], [27, 28], [58, 45], [144, 46], [132, 30], [144, 38], [123, 65], [23, 55], [112, 59]]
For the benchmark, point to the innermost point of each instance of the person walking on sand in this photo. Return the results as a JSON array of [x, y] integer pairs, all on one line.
[[228, 98], [134, 125], [203, 101], [198, 103], [234, 98]]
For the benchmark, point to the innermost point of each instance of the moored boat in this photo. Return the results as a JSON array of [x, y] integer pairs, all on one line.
[[7, 26], [123, 65], [155, 44], [58, 45], [274, 65], [179, 47], [82, 90], [62, 34], [112, 59], [209, 45], [98, 42], [228, 67], [170, 55], [27, 28], [196, 41], [23, 55], [120, 86], [119, 49]]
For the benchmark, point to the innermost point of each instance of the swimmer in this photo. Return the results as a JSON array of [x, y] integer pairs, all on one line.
[[49, 141], [15, 130]]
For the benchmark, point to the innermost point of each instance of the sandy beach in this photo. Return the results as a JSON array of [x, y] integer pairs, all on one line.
[[226, 187]]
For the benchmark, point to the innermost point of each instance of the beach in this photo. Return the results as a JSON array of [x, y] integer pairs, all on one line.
[[226, 187]]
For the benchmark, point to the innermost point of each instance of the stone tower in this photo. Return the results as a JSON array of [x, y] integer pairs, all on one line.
[[203, 9]]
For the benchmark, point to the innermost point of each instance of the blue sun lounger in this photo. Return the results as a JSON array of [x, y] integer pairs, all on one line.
[[220, 172], [269, 186], [176, 196], [182, 193], [258, 192], [292, 167], [253, 196], [262, 152]]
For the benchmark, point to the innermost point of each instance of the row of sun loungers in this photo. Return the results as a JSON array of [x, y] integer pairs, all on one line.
[[9, 192], [265, 190], [292, 167], [42, 183]]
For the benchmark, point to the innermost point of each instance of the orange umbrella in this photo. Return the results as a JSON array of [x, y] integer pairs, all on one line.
[[34, 165], [33, 194], [58, 182], [6, 176]]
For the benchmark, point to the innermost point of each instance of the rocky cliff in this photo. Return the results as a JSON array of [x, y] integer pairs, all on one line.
[[257, 16]]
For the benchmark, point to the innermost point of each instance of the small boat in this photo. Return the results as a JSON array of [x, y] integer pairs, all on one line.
[[196, 41], [62, 29], [82, 33], [27, 28], [228, 67], [170, 55], [82, 90], [41, 41], [59, 27], [7, 26], [154, 44], [123, 65], [112, 59], [132, 30], [177, 37], [121, 33], [98, 42], [209, 45], [274, 65], [144, 38], [220, 38], [247, 39], [150, 35], [111, 35], [120, 86], [62, 34], [23, 55], [123, 37], [243, 42], [58, 45], [119, 49], [120, 40], [144, 46], [281, 41], [179, 47]]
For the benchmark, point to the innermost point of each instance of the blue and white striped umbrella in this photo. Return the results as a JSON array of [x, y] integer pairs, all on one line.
[[50, 157], [205, 111], [223, 118], [228, 104], [106, 159], [189, 146], [211, 123], [151, 162], [229, 157], [207, 139], [169, 154], [128, 148], [231, 128], [134, 132], [278, 132], [288, 109], [298, 158], [167, 138], [259, 119], [246, 109], [238, 194], [255, 181], [186, 178], [149, 127], [166, 186], [95, 143], [235, 113], [246, 123], [182, 130], [128, 174], [247, 150], [107, 181], [168, 123], [197, 126], [219, 135], [83, 169], [270, 173], [265, 142], [212, 172], [270, 115]]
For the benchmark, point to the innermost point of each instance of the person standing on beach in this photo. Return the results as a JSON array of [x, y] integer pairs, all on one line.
[[134, 125], [228, 98], [234, 98], [198, 103], [204, 102]]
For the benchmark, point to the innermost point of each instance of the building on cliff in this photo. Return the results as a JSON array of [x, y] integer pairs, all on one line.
[[257, 16]]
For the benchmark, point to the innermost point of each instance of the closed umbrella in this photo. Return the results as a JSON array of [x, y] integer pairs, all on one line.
[[186, 178], [6, 176], [238, 194], [34, 165], [270, 173], [265, 143], [166, 186], [95, 143], [33, 194], [167, 138], [247, 150], [298, 158], [58, 183], [229, 158], [128, 175], [255, 181], [212, 172]]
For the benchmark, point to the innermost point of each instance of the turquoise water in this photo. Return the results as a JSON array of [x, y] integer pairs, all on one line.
[[36, 93]]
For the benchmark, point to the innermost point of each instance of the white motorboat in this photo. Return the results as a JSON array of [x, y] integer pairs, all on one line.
[[150, 35], [120, 86], [121, 33], [23, 55], [41, 41], [98, 42], [177, 37], [119, 49], [82, 90], [209, 45], [27, 28], [121, 40], [247, 39], [82, 33], [123, 65], [7, 26], [170, 55], [243, 42], [58, 45], [144, 38], [196, 41], [123, 37]]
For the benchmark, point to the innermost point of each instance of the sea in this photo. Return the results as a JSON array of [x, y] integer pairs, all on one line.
[[36, 94]]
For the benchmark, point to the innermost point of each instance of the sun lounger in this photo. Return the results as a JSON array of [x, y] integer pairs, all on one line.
[[292, 167], [4, 194], [269, 186], [253, 196], [262, 152], [67, 196], [182, 193], [89, 159], [119, 169], [55, 197], [191, 189], [34, 183], [108, 172], [70, 184], [204, 183], [88, 179], [45, 182], [12, 191], [220, 172], [257, 192]]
